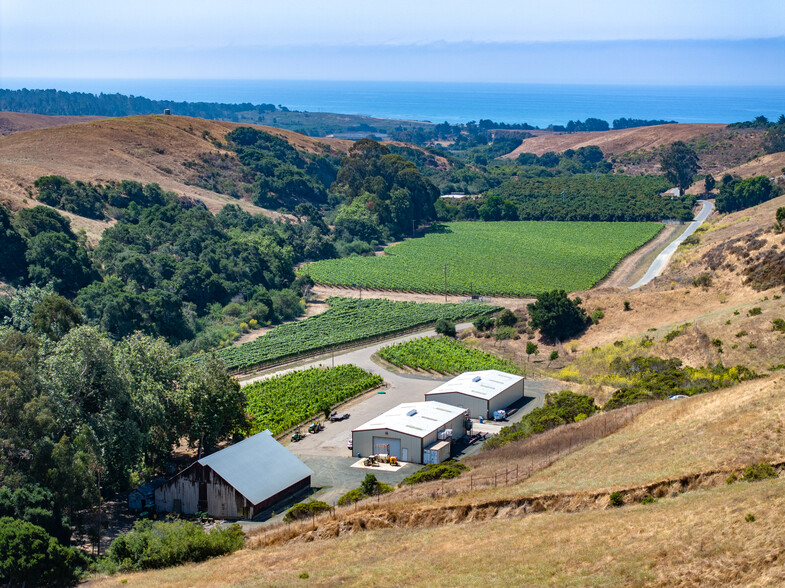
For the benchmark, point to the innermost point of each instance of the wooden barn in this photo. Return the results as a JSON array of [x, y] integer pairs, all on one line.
[[238, 482]]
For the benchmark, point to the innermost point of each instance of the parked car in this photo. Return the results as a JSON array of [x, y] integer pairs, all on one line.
[[335, 417], [349, 444], [678, 397]]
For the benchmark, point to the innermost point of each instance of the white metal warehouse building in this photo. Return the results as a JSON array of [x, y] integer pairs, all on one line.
[[480, 392], [413, 432]]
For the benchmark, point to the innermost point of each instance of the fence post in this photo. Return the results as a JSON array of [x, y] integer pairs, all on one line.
[[471, 482], [505, 475]]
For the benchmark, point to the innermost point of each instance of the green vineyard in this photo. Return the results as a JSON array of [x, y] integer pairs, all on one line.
[[284, 401], [502, 258], [444, 355], [346, 321]]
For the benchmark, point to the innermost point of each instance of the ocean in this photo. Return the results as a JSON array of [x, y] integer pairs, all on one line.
[[536, 104]]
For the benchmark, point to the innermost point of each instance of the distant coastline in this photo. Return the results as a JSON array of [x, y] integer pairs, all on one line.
[[536, 104]]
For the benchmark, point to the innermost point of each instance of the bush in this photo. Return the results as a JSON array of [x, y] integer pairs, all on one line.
[[627, 305], [597, 315], [30, 556], [436, 471], [351, 497], [648, 500], [750, 518], [159, 544], [703, 280], [754, 311], [506, 318], [369, 487], [445, 327], [558, 317], [778, 325], [305, 510], [505, 333], [483, 323], [759, 471], [559, 409], [616, 499]]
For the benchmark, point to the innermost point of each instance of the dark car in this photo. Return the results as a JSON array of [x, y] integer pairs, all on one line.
[[335, 417]]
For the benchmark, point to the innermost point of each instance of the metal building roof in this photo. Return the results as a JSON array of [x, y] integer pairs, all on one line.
[[258, 467], [428, 417], [485, 384]]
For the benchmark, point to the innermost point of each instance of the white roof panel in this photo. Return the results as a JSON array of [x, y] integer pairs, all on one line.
[[429, 417], [485, 384], [258, 467]]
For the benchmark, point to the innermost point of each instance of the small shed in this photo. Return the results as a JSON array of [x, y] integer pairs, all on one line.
[[407, 429], [480, 392], [238, 482], [143, 497], [436, 453]]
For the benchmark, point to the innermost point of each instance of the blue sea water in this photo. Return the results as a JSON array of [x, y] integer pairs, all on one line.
[[537, 104]]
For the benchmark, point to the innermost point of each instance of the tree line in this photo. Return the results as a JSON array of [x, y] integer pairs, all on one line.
[[56, 102]]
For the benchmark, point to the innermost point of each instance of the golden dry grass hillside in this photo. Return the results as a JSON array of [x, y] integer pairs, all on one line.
[[143, 148], [701, 538], [12, 122], [615, 142]]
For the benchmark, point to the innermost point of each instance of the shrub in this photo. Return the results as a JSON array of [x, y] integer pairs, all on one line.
[[703, 280], [597, 315], [759, 471], [506, 318], [351, 497], [676, 332], [648, 500], [505, 333], [778, 325], [627, 305], [560, 409], [754, 311], [29, 555], [741, 333], [616, 499], [436, 471], [556, 316], [370, 487], [160, 544], [305, 510], [483, 323], [750, 518], [445, 327]]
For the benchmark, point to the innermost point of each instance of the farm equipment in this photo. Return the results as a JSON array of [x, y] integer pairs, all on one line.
[[371, 461], [315, 427], [297, 435]]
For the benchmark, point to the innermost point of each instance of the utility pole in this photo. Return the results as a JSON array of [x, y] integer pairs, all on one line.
[[445, 282], [100, 509]]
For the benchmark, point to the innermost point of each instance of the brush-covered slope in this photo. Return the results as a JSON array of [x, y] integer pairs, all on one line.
[[143, 148]]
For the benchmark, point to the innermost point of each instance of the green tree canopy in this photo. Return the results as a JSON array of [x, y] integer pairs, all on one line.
[[680, 164], [556, 316]]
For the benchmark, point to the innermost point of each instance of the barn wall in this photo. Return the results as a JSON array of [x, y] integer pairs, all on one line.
[[293, 489], [183, 487]]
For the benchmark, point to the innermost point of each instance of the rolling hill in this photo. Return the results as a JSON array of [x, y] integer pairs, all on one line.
[[614, 142], [143, 148]]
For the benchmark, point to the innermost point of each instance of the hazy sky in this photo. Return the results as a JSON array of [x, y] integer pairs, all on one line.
[[612, 41]]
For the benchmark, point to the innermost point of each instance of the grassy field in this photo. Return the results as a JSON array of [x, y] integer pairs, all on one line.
[[727, 428], [696, 539], [505, 258], [444, 355]]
